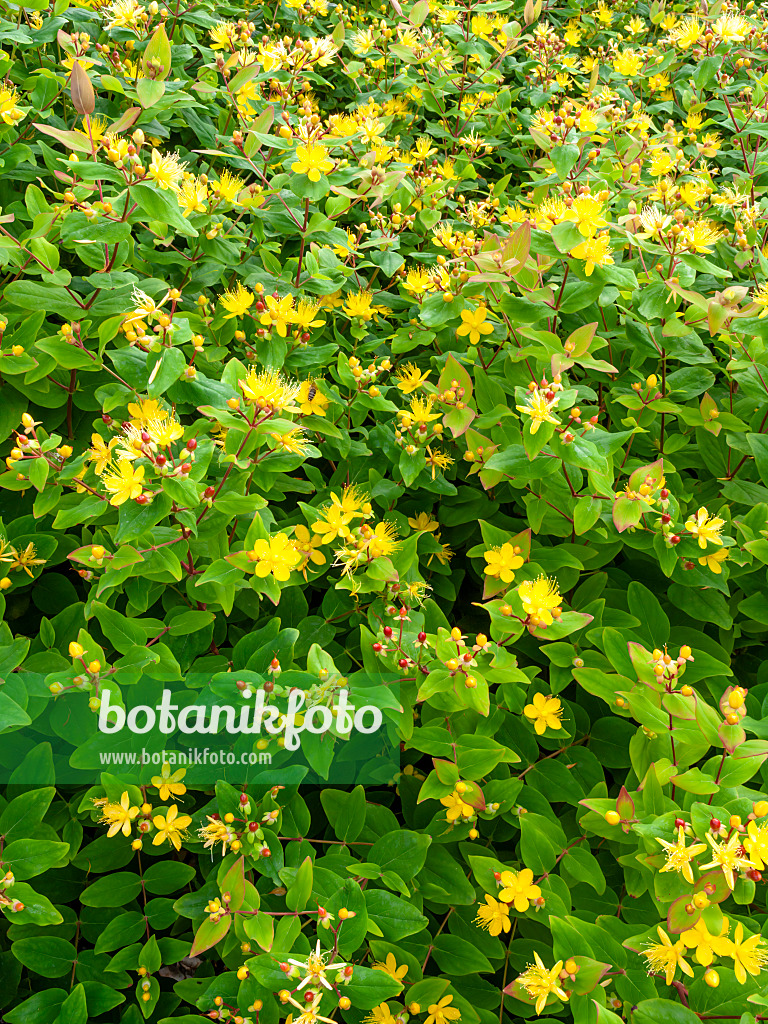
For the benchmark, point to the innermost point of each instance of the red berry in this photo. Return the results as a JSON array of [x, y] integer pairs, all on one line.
[[186, 468], [269, 686], [145, 437], [403, 663], [714, 824], [666, 518], [161, 459], [106, 418], [142, 499], [260, 306], [387, 631], [191, 444], [378, 648], [674, 539], [754, 874], [243, 798], [305, 336], [664, 493], [209, 492], [422, 637], [679, 822], [253, 826], [266, 852]]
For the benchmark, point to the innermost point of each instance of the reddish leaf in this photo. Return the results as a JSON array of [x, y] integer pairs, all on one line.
[[209, 933]]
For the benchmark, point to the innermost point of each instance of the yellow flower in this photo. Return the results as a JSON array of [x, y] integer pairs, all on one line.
[[727, 857], [237, 301], [706, 528], [223, 35], [390, 967], [438, 460], [269, 390], [707, 946], [756, 844], [587, 122], [666, 957], [410, 378], [145, 410], [493, 917], [278, 314], [731, 28], [541, 599], [228, 187], [334, 523], [26, 557], [749, 955], [384, 540], [164, 431], [474, 324], [216, 831], [304, 315], [119, 816], [292, 440], [760, 298], [124, 482], [714, 560], [545, 713], [518, 888], [124, 14], [312, 160], [661, 164], [596, 252], [441, 1012], [701, 236], [360, 305], [169, 784], [171, 827], [419, 412], [424, 523], [687, 33], [502, 562], [191, 195], [101, 453], [277, 556], [307, 546], [418, 281], [541, 983], [678, 857], [587, 212], [165, 169], [380, 1014], [539, 408], [628, 63], [456, 807], [312, 401], [604, 14]]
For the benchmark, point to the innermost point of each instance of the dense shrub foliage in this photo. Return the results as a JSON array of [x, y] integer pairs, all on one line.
[[416, 356]]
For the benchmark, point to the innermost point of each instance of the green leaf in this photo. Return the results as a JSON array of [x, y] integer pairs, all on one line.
[[113, 890], [46, 955], [663, 1011]]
